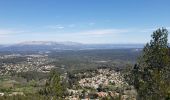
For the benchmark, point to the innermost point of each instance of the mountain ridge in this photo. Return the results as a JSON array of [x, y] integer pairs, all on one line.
[[68, 45]]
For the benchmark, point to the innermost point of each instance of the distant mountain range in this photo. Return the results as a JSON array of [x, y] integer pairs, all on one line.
[[50, 45]]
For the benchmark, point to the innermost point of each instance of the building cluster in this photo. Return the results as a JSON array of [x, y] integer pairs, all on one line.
[[104, 77], [89, 87], [31, 63]]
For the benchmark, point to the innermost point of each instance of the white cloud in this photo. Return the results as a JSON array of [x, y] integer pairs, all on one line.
[[3, 36], [118, 32], [10, 31], [55, 27], [4, 32], [60, 27], [168, 28], [150, 30], [105, 31]]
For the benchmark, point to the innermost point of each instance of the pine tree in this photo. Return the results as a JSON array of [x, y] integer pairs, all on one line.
[[151, 73], [53, 87]]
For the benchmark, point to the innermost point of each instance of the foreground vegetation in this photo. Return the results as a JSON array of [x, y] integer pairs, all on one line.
[[151, 74]]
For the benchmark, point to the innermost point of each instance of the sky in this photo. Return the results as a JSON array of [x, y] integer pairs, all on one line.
[[84, 21]]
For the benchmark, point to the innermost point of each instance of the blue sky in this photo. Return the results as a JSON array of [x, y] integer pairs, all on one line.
[[85, 21]]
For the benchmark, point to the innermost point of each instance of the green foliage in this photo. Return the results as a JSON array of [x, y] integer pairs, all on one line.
[[151, 73], [32, 75], [53, 87]]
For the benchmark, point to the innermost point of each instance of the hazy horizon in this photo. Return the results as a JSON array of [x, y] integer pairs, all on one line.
[[25, 42]]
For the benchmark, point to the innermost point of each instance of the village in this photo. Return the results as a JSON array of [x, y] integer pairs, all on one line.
[[104, 83], [37, 63]]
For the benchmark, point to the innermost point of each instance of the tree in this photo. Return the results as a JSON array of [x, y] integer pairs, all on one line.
[[53, 87], [151, 73]]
